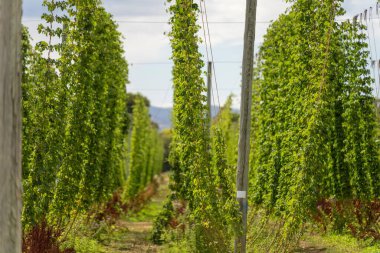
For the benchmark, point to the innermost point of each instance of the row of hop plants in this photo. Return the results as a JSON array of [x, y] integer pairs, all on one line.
[[81, 139], [201, 211], [146, 150], [314, 152]]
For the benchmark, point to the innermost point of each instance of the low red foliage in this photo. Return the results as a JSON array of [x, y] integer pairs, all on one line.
[[362, 218], [115, 207], [43, 239], [140, 200]]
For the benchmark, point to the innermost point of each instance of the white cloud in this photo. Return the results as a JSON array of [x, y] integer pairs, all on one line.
[[226, 10], [145, 42]]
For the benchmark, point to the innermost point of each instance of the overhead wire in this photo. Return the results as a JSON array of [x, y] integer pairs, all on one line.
[[163, 101], [137, 90], [170, 63], [366, 19], [166, 22], [207, 51], [377, 61], [154, 21], [374, 61], [211, 51]]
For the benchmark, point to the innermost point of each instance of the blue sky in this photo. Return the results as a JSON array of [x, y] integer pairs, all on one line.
[[148, 49]]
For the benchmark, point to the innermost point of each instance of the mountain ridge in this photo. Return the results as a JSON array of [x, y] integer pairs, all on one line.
[[162, 115]]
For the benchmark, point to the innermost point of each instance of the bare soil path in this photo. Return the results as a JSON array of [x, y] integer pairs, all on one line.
[[132, 233]]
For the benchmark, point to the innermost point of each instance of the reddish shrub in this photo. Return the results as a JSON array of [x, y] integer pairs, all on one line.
[[115, 206], [43, 239], [362, 218], [140, 200]]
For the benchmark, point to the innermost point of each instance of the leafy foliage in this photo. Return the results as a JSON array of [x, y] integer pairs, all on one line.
[[76, 118], [315, 122], [194, 155], [190, 151], [146, 150]]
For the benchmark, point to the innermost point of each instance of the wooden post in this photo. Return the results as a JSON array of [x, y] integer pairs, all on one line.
[[209, 90], [245, 122], [10, 126]]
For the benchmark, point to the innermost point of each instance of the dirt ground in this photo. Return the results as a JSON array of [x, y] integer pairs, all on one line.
[[132, 233]]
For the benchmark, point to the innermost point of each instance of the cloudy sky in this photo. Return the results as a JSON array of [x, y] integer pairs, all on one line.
[[143, 24]]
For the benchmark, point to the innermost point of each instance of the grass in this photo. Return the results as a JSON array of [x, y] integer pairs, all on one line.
[[332, 243], [172, 247], [147, 214], [83, 244], [131, 233]]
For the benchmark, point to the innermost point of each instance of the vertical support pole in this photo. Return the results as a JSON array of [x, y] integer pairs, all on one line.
[[209, 90], [10, 126], [245, 122]]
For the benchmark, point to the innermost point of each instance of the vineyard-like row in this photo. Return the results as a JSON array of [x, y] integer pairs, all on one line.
[[315, 153], [90, 148], [316, 156], [84, 137]]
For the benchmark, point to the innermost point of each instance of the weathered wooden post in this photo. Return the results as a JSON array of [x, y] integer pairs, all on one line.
[[245, 122], [10, 126]]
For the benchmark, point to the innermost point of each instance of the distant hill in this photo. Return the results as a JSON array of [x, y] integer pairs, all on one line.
[[162, 116]]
